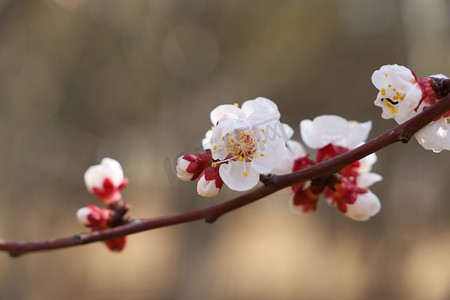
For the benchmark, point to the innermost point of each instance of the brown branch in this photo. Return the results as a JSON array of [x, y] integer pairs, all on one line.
[[402, 133]]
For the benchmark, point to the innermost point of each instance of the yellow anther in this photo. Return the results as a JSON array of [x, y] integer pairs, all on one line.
[[264, 141], [213, 164], [229, 142], [383, 91], [235, 104], [385, 74], [227, 134], [255, 156], [223, 138], [394, 89], [215, 147], [245, 174], [391, 107], [262, 130], [389, 85], [212, 127], [228, 149], [240, 158], [232, 140], [262, 154]]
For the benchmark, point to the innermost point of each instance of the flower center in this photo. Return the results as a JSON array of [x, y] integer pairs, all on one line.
[[395, 99], [242, 146]]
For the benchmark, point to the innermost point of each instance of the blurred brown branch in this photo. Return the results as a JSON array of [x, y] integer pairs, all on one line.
[[272, 183]]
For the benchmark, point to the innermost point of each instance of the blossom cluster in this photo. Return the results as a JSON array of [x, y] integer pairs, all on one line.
[[105, 181], [250, 141], [402, 95]]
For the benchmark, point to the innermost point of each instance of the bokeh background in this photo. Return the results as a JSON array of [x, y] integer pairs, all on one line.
[[135, 80]]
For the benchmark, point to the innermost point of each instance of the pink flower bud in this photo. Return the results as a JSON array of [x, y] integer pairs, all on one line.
[[93, 216], [209, 182], [117, 244], [106, 180], [190, 166]]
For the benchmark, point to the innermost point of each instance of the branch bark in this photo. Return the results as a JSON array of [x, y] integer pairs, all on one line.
[[402, 133]]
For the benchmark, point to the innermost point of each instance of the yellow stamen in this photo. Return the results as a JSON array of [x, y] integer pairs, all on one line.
[[235, 104], [262, 154], [383, 91], [213, 164], [245, 174], [212, 127], [385, 74], [391, 107], [215, 147], [223, 138], [240, 158]]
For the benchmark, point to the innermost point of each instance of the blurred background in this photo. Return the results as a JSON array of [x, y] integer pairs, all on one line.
[[135, 80]]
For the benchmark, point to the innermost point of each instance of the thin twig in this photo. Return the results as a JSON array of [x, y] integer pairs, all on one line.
[[402, 133]]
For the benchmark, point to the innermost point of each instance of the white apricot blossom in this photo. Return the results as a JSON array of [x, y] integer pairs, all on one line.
[[402, 96], [331, 136], [246, 141], [399, 92]]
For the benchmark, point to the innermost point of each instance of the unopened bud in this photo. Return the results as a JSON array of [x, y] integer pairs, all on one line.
[[190, 166], [106, 180], [209, 183]]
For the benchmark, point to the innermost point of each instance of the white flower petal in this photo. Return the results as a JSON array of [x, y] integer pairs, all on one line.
[[435, 136], [182, 165], [443, 76], [400, 76], [113, 170], [206, 142], [288, 131], [226, 111], [93, 177], [331, 129], [295, 150], [267, 161], [108, 168], [261, 104], [367, 179], [82, 216], [207, 188], [233, 176], [366, 163], [367, 205]]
